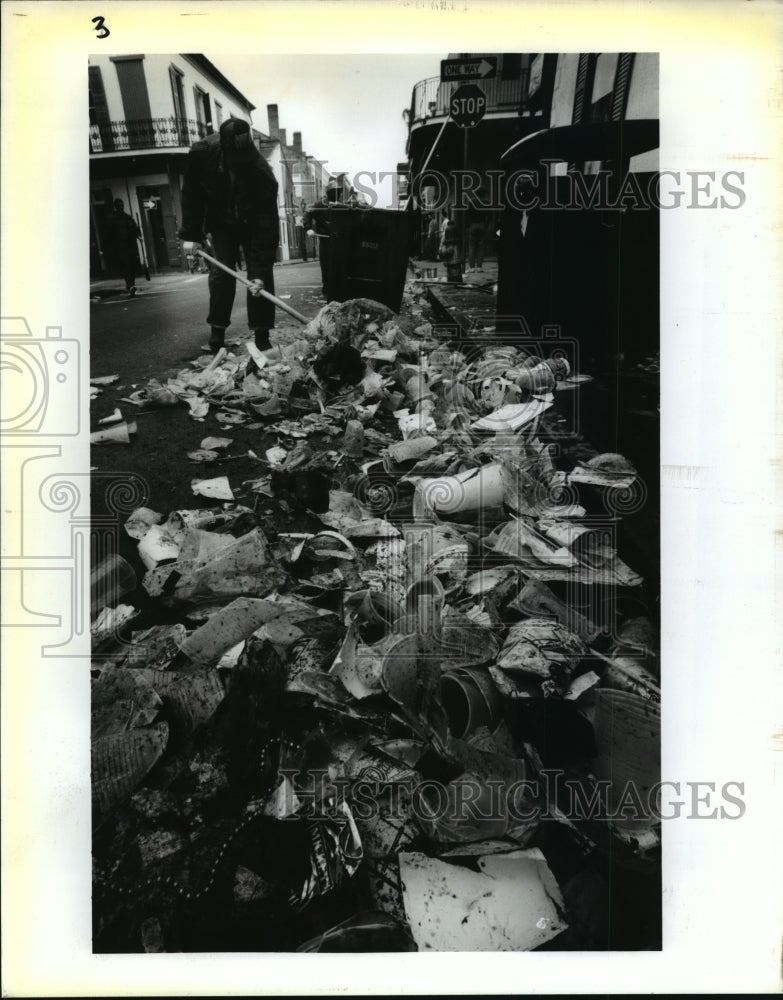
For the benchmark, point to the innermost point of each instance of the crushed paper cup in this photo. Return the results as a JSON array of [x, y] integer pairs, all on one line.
[[359, 666], [195, 543], [191, 698], [109, 621], [516, 538], [353, 439], [243, 566], [542, 648], [121, 761], [471, 700], [512, 416], [113, 418], [140, 522], [110, 580], [157, 546], [626, 673], [116, 434], [229, 626], [470, 490], [179, 521], [408, 451], [539, 601]]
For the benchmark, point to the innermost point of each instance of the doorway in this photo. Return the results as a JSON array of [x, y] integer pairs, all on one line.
[[159, 226]]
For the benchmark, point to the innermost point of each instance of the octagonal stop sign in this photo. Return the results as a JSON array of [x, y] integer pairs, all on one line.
[[467, 106]]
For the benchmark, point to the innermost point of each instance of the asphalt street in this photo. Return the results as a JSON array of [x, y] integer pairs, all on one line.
[[156, 335], [164, 327]]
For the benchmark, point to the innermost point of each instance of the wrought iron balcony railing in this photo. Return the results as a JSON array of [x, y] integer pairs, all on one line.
[[145, 133], [431, 97]]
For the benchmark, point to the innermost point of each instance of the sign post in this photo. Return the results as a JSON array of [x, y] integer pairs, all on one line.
[[467, 105], [466, 108]]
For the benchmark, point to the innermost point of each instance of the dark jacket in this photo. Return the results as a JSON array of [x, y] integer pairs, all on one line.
[[120, 237], [316, 216], [211, 200]]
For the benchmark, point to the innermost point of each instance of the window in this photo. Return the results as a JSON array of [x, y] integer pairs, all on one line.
[[622, 86], [203, 111], [101, 139], [178, 99], [218, 113], [135, 101], [585, 75]]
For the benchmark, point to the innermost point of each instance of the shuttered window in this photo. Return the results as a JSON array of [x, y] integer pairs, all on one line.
[[101, 138], [133, 87], [135, 100], [622, 86], [584, 87], [99, 111]]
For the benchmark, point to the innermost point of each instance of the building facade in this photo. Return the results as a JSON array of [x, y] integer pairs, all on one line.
[[146, 111], [301, 180], [518, 101]]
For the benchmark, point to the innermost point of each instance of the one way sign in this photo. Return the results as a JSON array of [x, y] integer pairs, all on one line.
[[482, 68]]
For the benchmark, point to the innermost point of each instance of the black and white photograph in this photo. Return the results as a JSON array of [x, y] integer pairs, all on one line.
[[376, 657], [377, 502]]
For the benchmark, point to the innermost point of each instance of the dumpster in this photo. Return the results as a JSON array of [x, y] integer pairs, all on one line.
[[368, 253], [590, 269]]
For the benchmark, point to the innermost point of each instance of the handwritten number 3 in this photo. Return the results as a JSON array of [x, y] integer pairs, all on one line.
[[100, 26]]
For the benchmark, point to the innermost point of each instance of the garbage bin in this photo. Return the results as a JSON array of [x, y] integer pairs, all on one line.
[[577, 263], [368, 253]]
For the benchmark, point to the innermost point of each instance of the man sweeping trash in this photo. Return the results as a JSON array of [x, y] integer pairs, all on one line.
[[230, 193]]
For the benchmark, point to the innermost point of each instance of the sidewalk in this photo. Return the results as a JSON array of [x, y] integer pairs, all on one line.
[[469, 305], [106, 288]]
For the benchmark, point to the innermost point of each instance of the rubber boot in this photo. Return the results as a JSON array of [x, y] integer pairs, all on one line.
[[262, 339], [217, 339]]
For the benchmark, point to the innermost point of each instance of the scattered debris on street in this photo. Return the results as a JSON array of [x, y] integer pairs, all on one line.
[[353, 697]]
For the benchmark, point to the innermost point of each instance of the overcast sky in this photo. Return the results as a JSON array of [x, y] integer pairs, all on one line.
[[347, 107]]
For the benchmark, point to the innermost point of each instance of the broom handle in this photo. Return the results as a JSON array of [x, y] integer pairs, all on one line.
[[264, 293]]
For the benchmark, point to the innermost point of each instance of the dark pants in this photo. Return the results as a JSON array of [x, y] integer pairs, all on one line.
[[222, 287], [323, 257], [126, 265], [477, 235]]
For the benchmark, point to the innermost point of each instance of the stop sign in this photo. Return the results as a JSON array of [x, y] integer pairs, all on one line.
[[467, 106]]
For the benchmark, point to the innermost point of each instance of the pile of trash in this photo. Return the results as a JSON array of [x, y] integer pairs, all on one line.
[[368, 700]]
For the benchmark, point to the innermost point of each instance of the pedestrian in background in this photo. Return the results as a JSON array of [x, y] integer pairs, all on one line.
[[431, 243], [479, 225], [122, 249], [316, 222], [299, 221], [230, 193]]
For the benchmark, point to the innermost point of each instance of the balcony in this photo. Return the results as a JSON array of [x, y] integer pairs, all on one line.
[[431, 97], [145, 133]]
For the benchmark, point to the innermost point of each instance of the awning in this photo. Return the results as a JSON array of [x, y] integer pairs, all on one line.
[[591, 141]]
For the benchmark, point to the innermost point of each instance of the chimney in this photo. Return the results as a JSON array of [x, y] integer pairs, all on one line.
[[283, 137], [274, 121], [298, 143]]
